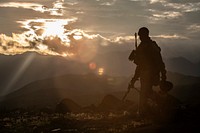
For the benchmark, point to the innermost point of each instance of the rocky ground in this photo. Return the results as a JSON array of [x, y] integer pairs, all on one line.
[[99, 122], [111, 116]]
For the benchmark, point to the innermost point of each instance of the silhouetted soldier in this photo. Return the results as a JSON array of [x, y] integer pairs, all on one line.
[[150, 67]]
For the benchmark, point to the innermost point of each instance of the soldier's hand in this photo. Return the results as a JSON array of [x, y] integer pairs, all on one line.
[[163, 78], [132, 83]]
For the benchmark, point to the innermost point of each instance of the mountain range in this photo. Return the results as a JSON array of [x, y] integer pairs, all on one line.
[[183, 66], [88, 89], [31, 79], [19, 70], [83, 89]]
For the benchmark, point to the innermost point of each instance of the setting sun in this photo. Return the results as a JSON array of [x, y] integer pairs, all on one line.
[[54, 28]]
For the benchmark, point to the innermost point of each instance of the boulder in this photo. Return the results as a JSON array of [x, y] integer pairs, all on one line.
[[67, 105], [112, 103]]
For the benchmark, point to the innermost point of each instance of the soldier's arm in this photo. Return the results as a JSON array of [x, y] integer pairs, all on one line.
[[163, 71], [161, 64], [162, 67]]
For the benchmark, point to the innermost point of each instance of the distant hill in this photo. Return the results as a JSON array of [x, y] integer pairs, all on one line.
[[118, 62], [183, 66], [186, 88], [83, 89], [90, 89], [20, 70]]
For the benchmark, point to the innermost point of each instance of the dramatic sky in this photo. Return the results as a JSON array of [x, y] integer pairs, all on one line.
[[80, 28]]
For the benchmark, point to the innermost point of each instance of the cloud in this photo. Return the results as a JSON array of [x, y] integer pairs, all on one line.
[[55, 37], [107, 2], [156, 1], [52, 37], [98, 23], [163, 16], [194, 28], [56, 9], [21, 5], [184, 7], [171, 10], [170, 36]]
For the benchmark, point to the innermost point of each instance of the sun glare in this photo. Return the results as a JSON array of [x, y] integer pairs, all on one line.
[[54, 28], [50, 37]]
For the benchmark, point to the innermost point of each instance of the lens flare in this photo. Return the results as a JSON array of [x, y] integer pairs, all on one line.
[[92, 66], [101, 71]]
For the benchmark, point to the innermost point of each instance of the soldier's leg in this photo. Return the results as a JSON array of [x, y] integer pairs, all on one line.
[[146, 92]]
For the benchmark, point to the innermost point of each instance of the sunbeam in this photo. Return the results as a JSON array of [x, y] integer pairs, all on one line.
[[17, 75]]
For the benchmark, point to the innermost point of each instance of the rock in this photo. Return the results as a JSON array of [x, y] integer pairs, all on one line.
[[90, 109], [67, 105], [112, 103]]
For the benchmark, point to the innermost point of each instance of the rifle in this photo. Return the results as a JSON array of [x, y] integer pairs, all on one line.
[[131, 57], [136, 41], [130, 86], [128, 90]]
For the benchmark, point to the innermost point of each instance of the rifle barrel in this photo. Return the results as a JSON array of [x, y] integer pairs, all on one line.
[[135, 40]]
